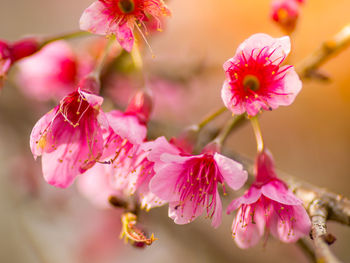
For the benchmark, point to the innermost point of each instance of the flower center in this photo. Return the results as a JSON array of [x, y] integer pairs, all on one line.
[[251, 82], [126, 6]]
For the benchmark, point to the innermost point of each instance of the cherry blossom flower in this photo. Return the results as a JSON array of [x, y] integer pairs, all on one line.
[[190, 182], [51, 73], [268, 204], [69, 137], [285, 13], [126, 171], [12, 52], [120, 17], [256, 80]]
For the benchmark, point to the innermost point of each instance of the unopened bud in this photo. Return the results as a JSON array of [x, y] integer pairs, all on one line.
[[90, 84], [24, 48], [141, 105]]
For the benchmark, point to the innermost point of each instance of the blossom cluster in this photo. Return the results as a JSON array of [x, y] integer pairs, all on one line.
[[110, 155]]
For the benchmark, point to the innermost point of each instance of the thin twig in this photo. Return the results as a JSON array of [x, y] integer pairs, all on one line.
[[307, 250]]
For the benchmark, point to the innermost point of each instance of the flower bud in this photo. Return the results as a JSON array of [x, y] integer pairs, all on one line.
[[141, 105], [90, 84], [24, 48]]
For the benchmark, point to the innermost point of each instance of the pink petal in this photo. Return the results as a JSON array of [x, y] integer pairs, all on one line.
[[157, 148], [226, 95], [164, 182], [290, 224], [232, 171], [250, 197], [38, 143], [72, 155], [249, 235], [302, 224], [125, 36], [216, 221], [277, 191], [280, 46], [171, 158], [95, 20], [127, 126], [185, 215], [92, 99], [291, 86]]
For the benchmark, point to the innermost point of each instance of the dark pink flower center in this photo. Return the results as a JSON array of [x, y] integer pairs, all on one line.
[[256, 77], [75, 109], [123, 7], [198, 183]]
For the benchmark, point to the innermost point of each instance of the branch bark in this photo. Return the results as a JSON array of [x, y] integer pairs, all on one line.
[[309, 66]]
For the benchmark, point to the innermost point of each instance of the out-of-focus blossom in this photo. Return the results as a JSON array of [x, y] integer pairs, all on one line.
[[120, 17], [69, 137], [98, 240], [167, 95], [268, 204], [51, 73], [285, 13], [256, 80], [190, 182], [12, 52]]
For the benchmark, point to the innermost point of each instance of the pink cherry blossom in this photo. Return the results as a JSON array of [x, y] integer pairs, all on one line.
[[126, 171], [51, 73], [69, 137], [256, 80], [120, 17], [285, 13], [268, 204], [190, 182]]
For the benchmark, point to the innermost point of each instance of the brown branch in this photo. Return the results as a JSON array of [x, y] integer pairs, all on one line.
[[337, 206], [318, 212], [309, 66]]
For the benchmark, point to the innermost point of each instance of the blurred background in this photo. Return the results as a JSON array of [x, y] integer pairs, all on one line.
[[310, 139]]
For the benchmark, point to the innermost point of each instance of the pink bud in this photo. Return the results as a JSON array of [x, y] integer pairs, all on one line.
[[141, 105], [90, 84], [24, 48]]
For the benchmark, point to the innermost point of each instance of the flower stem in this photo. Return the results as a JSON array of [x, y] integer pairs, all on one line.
[[229, 127], [102, 59], [210, 118], [257, 131], [70, 35]]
